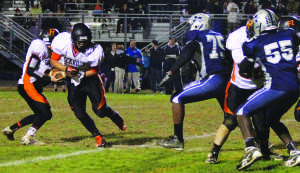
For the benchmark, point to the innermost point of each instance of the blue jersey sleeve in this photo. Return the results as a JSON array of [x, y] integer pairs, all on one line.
[[248, 49]]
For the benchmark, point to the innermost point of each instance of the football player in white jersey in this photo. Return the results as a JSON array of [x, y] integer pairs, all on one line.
[[237, 91], [82, 59], [30, 87]]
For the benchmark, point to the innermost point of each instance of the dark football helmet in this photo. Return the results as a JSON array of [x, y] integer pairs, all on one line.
[[81, 36], [290, 22], [48, 35]]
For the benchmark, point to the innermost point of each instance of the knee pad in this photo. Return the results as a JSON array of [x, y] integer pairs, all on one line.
[[230, 121]]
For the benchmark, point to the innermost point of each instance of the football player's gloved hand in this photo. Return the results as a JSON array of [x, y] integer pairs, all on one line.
[[76, 80], [166, 79], [71, 72]]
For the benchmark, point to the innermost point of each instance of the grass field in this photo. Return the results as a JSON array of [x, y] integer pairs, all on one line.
[[70, 148]]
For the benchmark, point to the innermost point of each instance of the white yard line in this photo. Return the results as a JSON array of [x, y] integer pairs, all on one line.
[[116, 147], [42, 158], [81, 152]]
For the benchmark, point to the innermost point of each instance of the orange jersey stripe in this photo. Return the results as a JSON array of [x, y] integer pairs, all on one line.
[[103, 99], [55, 56], [233, 73], [31, 91], [19, 124], [226, 109]]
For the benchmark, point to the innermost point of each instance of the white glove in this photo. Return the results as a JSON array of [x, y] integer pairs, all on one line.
[[78, 78]]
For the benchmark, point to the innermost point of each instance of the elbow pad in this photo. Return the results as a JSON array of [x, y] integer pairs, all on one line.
[[33, 64], [246, 67]]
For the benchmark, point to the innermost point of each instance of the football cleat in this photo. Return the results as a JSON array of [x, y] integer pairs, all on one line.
[[124, 127], [29, 140], [212, 157], [8, 133], [100, 142], [118, 120], [252, 154], [171, 142], [294, 159]]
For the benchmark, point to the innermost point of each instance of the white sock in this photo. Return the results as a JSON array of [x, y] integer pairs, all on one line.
[[31, 131]]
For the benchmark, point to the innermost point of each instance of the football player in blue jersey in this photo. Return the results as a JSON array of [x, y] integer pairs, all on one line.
[[206, 47], [294, 23], [274, 50]]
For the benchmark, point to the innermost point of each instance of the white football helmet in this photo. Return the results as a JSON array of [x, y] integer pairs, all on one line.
[[200, 21], [264, 20]]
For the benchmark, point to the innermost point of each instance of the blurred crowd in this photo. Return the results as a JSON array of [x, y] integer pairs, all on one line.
[[284, 7]]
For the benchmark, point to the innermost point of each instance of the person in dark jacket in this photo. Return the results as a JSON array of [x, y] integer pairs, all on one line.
[[156, 58], [171, 52]]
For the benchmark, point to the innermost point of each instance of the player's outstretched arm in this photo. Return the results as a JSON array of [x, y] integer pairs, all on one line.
[[186, 55]]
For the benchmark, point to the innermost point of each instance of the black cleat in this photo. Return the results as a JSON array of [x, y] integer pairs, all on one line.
[[8, 133], [212, 157]]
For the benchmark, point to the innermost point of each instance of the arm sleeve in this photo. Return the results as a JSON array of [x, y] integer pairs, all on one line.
[[186, 55]]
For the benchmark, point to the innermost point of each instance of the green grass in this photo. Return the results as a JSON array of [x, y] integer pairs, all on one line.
[[70, 147]]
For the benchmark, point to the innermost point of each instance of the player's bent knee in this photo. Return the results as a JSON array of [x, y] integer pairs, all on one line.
[[48, 116], [80, 114], [230, 121], [102, 112]]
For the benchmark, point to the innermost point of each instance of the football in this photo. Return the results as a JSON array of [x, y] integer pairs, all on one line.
[[57, 75]]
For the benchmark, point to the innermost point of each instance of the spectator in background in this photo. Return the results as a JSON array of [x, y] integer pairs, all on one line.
[[141, 20], [216, 7], [31, 25], [47, 4], [64, 21], [36, 9], [250, 7], [110, 73], [292, 7], [267, 4], [124, 10], [281, 9], [233, 16], [146, 70], [28, 4], [119, 72], [133, 70], [50, 21], [196, 6], [19, 17], [61, 4], [171, 52], [156, 58], [98, 11]]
